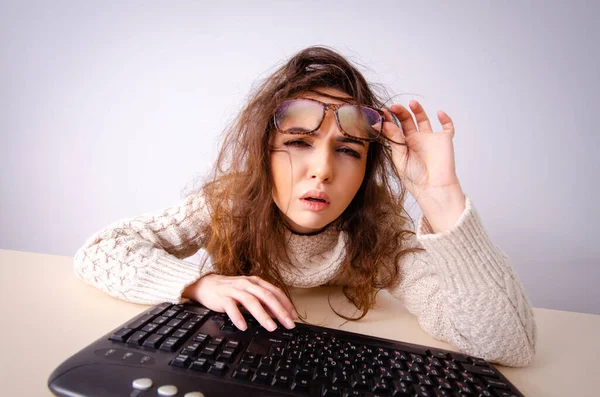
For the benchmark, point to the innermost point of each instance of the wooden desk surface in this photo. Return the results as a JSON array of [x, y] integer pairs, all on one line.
[[49, 314]]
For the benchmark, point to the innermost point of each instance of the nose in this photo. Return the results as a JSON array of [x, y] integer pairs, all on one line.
[[322, 166]]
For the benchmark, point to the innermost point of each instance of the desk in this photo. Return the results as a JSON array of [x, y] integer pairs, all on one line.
[[49, 314]]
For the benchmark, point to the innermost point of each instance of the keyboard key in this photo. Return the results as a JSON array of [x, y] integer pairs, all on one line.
[[228, 328], [217, 368], [359, 382], [481, 390], [226, 355], [282, 380], [425, 380], [209, 351], [379, 385], [423, 391], [480, 370], [300, 385], [266, 363], [184, 315], [201, 338], [250, 359], [164, 330], [160, 308], [153, 341], [495, 383], [170, 313], [479, 361], [139, 323], [242, 372], [414, 367], [331, 391], [352, 393], [190, 325], [438, 354], [181, 333], [137, 338], [181, 360], [463, 388], [232, 344], [160, 320], [150, 327], [262, 377], [192, 349], [461, 358], [405, 376], [170, 344], [200, 364], [121, 335]]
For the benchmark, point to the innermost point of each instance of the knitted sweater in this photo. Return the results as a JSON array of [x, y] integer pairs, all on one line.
[[461, 288]]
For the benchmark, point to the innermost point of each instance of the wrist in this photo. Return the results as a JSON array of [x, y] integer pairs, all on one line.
[[191, 291], [441, 206]]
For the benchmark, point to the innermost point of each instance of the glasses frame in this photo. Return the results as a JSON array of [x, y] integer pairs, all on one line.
[[335, 107]]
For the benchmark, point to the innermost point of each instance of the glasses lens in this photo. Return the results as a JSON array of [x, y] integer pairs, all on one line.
[[298, 116], [360, 121]]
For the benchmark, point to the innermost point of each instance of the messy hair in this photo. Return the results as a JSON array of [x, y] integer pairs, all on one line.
[[239, 191]]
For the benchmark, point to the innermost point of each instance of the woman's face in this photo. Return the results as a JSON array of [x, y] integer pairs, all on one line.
[[316, 176]]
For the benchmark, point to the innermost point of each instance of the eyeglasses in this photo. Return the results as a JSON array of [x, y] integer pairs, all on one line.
[[304, 116]]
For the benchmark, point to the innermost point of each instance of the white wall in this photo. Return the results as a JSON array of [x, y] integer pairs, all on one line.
[[111, 108]]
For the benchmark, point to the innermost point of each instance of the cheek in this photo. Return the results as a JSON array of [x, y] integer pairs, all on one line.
[[282, 177], [355, 173]]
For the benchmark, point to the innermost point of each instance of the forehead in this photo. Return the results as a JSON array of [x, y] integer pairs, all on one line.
[[327, 95]]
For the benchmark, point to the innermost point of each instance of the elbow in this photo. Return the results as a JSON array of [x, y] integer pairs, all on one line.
[[513, 350]]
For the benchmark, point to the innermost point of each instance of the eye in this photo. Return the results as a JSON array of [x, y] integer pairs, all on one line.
[[296, 142], [349, 152]]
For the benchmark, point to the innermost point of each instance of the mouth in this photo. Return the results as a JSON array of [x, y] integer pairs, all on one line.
[[315, 201], [316, 196]]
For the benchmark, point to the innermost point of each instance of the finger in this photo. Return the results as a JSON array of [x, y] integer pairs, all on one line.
[[406, 119], [446, 121], [285, 301], [269, 299], [391, 130], [234, 314], [253, 305], [421, 116]]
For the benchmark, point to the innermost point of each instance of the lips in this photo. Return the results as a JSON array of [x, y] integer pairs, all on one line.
[[316, 196]]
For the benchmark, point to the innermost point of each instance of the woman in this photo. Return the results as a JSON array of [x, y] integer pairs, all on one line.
[[307, 192]]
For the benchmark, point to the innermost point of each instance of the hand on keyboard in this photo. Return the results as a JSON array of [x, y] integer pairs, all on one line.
[[261, 298]]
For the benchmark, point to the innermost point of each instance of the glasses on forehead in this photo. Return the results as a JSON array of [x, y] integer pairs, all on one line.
[[304, 116]]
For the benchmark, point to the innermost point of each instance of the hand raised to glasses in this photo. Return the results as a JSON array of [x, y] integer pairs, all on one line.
[[424, 159], [224, 293]]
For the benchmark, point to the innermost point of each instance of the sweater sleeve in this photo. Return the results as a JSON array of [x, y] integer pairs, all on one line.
[[464, 291], [140, 259]]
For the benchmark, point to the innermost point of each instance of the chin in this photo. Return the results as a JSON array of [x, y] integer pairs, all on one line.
[[308, 225]]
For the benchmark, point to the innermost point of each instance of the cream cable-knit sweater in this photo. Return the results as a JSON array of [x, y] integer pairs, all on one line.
[[462, 288]]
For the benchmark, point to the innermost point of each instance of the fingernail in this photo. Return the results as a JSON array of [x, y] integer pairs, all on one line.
[[271, 325], [241, 325], [289, 323]]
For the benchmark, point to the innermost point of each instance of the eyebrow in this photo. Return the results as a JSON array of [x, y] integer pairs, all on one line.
[[346, 139], [348, 100]]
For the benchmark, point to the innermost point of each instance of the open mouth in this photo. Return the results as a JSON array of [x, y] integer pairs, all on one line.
[[314, 199]]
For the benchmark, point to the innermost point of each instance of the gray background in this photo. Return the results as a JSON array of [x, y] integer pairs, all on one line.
[[110, 109]]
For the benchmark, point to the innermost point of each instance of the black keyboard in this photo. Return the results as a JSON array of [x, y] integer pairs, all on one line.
[[187, 350]]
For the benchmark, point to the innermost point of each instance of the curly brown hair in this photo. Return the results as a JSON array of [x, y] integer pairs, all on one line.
[[240, 188]]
